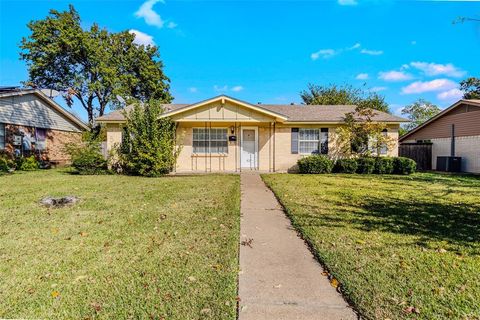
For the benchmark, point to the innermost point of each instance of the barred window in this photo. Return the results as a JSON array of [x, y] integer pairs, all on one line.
[[210, 140]]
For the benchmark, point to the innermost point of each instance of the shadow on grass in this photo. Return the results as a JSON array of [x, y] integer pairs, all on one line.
[[455, 223]]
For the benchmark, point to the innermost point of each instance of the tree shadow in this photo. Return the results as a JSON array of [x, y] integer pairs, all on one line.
[[428, 220]]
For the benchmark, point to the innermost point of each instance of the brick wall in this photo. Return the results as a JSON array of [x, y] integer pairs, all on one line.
[[55, 143]]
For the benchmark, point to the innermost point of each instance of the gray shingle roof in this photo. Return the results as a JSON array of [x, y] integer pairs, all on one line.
[[294, 113]]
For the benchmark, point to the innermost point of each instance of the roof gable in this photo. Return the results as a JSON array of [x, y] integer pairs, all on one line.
[[33, 108], [224, 100], [452, 109]]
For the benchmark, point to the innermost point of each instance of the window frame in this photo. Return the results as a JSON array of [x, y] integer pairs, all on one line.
[[319, 141], [209, 141], [303, 140]]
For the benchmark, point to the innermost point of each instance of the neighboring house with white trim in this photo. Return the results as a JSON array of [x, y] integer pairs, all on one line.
[[227, 134], [31, 123], [453, 132]]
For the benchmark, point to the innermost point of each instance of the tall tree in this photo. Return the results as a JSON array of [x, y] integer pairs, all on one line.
[[418, 112], [343, 95], [471, 87], [92, 65]]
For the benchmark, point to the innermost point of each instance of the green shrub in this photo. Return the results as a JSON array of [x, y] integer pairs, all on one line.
[[402, 165], [27, 163], [86, 158], [315, 164], [383, 165], [345, 166], [148, 147], [366, 165], [4, 164]]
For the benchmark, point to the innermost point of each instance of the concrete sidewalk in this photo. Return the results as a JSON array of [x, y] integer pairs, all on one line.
[[279, 277]]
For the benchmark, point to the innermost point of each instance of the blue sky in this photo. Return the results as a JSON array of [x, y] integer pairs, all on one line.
[[268, 51]]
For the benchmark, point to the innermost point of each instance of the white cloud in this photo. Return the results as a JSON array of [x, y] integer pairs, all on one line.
[[171, 25], [435, 69], [451, 95], [323, 53], [378, 89], [237, 88], [362, 76], [149, 15], [413, 42], [142, 38], [193, 89], [428, 86], [371, 52], [394, 76], [347, 2], [220, 89], [226, 88], [355, 46]]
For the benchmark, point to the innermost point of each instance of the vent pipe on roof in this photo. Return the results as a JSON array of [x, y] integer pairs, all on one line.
[[259, 103], [292, 103]]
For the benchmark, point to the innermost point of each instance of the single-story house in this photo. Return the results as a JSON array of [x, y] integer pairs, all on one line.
[[454, 132], [31, 123], [227, 134]]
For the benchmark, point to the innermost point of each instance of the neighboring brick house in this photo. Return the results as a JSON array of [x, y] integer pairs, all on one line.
[[453, 132], [33, 124]]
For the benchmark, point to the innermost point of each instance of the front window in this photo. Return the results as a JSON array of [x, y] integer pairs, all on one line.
[[309, 140], [2, 136], [313, 141], [210, 140]]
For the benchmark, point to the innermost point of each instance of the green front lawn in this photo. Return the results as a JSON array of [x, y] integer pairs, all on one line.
[[401, 246], [132, 248]]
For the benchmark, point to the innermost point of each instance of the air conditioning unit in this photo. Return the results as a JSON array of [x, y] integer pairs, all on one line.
[[449, 164]]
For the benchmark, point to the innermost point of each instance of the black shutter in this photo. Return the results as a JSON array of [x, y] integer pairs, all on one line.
[[324, 141], [295, 140]]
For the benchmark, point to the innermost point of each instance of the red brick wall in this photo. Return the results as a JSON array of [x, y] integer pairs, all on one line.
[[55, 143]]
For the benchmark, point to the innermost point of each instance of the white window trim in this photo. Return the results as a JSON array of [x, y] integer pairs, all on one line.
[[203, 153], [317, 141]]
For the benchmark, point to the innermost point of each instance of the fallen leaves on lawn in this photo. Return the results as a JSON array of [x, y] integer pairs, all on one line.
[[192, 279], [96, 306], [411, 309], [83, 234], [55, 294], [205, 311]]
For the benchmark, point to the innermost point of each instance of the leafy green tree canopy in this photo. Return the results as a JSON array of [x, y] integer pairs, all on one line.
[[93, 65], [471, 87], [418, 112], [343, 95]]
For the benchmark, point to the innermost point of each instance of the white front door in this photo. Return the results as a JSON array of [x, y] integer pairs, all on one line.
[[249, 153]]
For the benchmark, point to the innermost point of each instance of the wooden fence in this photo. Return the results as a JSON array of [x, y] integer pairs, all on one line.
[[420, 152]]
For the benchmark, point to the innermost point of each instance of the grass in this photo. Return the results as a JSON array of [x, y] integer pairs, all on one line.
[[401, 246], [132, 248]]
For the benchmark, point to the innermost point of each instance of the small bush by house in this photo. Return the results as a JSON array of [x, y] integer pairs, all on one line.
[[366, 165], [6, 164], [87, 159], [345, 166], [27, 163], [315, 164], [402, 165], [383, 165]]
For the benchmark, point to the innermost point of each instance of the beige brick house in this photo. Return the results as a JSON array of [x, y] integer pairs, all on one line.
[[226, 134], [33, 124]]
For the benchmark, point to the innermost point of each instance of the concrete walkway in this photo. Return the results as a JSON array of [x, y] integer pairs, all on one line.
[[279, 277]]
